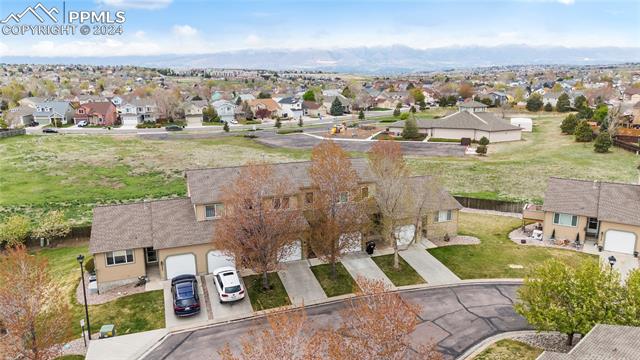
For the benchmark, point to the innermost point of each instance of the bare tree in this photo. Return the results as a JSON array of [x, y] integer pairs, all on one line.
[[33, 308], [260, 222], [391, 173], [614, 120], [338, 218]]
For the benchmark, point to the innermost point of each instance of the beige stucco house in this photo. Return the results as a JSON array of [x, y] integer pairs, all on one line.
[[174, 236], [605, 212]]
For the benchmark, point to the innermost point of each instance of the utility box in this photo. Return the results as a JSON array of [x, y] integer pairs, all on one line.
[[107, 331]]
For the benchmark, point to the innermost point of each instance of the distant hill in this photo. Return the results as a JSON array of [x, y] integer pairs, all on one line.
[[390, 59]]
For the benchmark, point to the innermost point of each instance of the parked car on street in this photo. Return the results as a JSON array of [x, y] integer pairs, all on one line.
[[228, 283], [83, 123], [173, 128], [49, 131], [186, 301]]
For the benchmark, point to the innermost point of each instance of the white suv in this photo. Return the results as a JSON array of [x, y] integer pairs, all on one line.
[[228, 283]]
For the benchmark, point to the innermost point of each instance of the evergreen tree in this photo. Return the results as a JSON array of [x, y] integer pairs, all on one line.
[[300, 123], [583, 132], [336, 108], [569, 124], [412, 109], [226, 127], [563, 104], [534, 103], [361, 115], [410, 131], [396, 112], [481, 150], [580, 101], [548, 107], [422, 105], [278, 123], [602, 143], [483, 141], [601, 113]]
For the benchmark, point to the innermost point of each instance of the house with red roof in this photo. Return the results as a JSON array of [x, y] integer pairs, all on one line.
[[97, 113]]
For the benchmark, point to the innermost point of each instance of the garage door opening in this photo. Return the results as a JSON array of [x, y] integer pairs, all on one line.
[[216, 259], [184, 264], [620, 241]]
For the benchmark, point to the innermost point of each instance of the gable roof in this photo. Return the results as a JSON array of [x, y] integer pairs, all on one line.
[[485, 121], [57, 107], [269, 104], [602, 342], [101, 107], [470, 104], [608, 201]]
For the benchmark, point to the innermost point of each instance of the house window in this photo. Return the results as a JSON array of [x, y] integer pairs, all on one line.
[[565, 219], [119, 257], [443, 215], [343, 197], [364, 192], [308, 198], [280, 203], [213, 211]]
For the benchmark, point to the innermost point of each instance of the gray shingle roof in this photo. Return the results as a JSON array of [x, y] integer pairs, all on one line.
[[614, 202], [472, 104], [485, 121], [603, 342]]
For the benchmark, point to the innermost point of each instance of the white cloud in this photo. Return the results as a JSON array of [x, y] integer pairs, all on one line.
[[139, 34], [253, 40], [567, 2], [184, 30], [136, 4]]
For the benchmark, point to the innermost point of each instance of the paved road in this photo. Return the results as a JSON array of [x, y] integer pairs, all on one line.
[[455, 317]]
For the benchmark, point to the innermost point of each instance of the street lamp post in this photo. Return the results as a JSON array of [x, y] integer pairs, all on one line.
[[612, 261], [80, 259]]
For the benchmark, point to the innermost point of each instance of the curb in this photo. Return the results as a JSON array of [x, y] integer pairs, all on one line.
[[482, 345], [264, 313]]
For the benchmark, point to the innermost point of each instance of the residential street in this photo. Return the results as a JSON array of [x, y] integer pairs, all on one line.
[[456, 317]]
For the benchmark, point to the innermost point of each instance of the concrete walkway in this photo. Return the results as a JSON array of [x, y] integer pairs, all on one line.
[[432, 270], [124, 347], [361, 265], [300, 283]]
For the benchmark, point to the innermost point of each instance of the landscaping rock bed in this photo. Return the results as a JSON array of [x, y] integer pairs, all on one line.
[[550, 341], [112, 294]]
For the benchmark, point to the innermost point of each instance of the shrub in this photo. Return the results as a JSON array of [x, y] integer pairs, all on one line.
[[289, 131], [583, 132], [534, 103], [278, 123], [14, 230], [410, 131], [90, 265], [483, 141], [563, 104], [548, 107], [396, 112], [361, 115], [569, 124], [602, 143], [481, 150], [226, 127]]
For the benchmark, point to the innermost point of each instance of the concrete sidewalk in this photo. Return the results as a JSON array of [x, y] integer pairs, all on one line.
[[300, 283], [124, 347], [432, 270], [361, 265]]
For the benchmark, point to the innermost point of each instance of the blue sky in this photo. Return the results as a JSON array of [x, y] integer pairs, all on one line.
[[175, 26]]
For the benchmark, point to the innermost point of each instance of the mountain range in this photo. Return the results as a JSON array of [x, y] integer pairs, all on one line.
[[365, 60]]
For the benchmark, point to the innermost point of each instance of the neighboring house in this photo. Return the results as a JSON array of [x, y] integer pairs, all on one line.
[[32, 101], [137, 111], [328, 100], [551, 98], [193, 111], [472, 106], [603, 342], [117, 101], [291, 107], [469, 122], [217, 95], [19, 116], [607, 212], [498, 97], [49, 111], [175, 236], [269, 104], [83, 99], [312, 108], [97, 113], [244, 97], [226, 110]]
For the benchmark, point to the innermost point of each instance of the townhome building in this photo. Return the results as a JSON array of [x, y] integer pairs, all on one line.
[[174, 236]]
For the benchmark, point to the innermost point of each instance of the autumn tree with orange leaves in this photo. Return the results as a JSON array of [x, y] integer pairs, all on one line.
[[33, 307], [338, 217], [392, 195], [376, 324], [260, 221]]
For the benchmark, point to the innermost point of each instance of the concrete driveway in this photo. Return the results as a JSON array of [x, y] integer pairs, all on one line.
[[455, 317], [300, 283], [624, 262], [431, 270], [174, 322], [360, 265], [226, 311]]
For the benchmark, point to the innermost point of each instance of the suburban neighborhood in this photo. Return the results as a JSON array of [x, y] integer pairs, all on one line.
[[314, 180]]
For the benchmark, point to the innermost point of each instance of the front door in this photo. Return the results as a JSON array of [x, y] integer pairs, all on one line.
[[592, 226], [151, 254]]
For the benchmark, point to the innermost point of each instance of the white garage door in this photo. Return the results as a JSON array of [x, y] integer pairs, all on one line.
[[180, 265], [129, 123], [620, 241], [354, 242], [404, 234], [293, 252], [216, 259]]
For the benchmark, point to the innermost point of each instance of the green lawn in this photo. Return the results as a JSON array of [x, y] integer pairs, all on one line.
[[343, 284], [260, 299], [519, 170], [405, 276], [74, 173], [492, 257], [130, 314], [509, 349]]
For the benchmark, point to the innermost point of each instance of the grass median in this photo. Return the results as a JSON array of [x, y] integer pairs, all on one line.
[[262, 299], [405, 276], [341, 285]]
